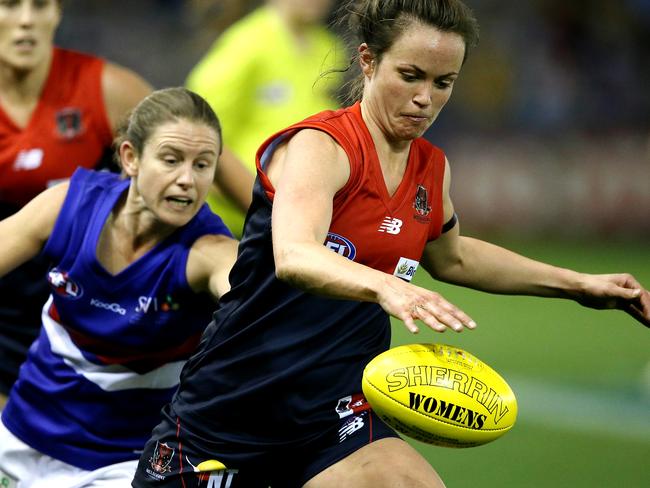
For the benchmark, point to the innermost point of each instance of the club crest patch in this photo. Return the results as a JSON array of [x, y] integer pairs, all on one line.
[[421, 201], [63, 285], [69, 123], [162, 458]]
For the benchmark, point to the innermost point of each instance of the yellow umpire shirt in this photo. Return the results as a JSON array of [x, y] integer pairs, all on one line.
[[259, 80]]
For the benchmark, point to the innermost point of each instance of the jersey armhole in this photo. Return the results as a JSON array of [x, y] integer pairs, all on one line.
[[55, 246]]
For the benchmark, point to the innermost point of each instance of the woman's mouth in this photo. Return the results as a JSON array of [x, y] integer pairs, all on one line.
[[180, 202]]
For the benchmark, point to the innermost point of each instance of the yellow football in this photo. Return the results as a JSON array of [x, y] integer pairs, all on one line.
[[439, 394]]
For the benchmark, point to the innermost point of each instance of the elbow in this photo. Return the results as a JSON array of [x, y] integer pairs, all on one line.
[[282, 272], [285, 267], [446, 270], [294, 265]]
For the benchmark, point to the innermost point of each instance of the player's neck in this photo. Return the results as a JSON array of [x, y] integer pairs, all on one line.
[[18, 85], [389, 149], [127, 235]]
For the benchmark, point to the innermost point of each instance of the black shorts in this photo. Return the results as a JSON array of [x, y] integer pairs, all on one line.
[[168, 461], [23, 292]]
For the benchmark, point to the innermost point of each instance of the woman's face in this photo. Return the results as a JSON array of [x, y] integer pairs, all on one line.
[[406, 90], [172, 176], [27, 31]]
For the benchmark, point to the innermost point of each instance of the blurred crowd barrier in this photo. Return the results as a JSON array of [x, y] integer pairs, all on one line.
[[576, 186]]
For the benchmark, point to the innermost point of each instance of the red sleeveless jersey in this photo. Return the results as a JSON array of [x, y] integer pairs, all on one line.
[[369, 226], [68, 128]]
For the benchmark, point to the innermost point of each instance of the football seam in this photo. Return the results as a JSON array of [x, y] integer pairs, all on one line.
[[433, 418], [411, 351]]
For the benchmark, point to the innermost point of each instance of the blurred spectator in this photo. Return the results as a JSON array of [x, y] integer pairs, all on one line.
[[569, 66], [264, 73]]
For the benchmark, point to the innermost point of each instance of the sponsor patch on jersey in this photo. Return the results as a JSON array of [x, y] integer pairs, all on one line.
[[111, 307], [406, 268], [68, 122], [7, 481], [63, 285], [341, 245], [154, 304]]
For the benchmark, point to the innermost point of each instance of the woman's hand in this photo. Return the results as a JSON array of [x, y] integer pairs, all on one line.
[[408, 303], [616, 291]]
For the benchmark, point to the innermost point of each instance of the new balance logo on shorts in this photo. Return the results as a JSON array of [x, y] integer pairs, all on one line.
[[391, 226], [352, 425]]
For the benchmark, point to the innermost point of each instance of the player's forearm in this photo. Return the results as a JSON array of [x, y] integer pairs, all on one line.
[[314, 268], [484, 266], [15, 251]]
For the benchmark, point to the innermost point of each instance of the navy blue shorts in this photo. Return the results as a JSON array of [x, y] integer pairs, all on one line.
[[168, 461]]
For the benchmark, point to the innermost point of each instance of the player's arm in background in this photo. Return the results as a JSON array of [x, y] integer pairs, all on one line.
[[123, 89], [483, 266], [307, 172], [209, 263], [25, 232], [234, 180]]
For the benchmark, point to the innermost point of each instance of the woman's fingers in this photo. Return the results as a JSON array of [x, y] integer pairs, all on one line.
[[440, 315]]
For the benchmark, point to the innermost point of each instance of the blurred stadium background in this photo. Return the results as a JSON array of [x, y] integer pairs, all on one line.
[[548, 134]]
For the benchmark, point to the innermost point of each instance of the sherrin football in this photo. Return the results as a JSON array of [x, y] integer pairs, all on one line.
[[439, 394]]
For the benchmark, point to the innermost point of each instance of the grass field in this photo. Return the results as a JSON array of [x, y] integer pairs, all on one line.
[[581, 377]]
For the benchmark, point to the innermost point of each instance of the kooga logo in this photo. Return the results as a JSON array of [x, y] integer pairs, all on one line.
[[111, 307]]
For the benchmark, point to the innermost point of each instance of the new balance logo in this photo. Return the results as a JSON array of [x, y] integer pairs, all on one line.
[[391, 226], [28, 160], [351, 426]]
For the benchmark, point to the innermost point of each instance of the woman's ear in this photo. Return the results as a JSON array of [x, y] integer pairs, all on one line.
[[366, 60], [129, 158]]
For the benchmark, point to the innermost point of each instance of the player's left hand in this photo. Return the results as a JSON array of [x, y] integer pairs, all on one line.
[[617, 291]]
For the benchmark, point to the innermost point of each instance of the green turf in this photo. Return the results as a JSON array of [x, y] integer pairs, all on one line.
[[561, 344]]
